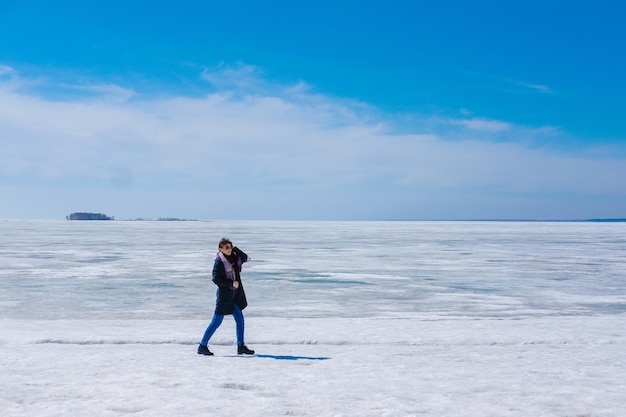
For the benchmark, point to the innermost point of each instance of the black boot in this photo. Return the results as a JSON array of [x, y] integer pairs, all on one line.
[[204, 350], [243, 350]]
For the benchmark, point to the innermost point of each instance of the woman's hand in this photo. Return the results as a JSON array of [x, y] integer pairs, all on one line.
[[236, 284]]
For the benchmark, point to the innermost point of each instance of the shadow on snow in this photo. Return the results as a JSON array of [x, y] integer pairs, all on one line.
[[291, 357]]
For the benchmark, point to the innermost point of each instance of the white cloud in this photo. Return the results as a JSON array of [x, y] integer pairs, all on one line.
[[277, 151], [537, 87], [484, 125], [6, 70], [239, 76], [108, 91]]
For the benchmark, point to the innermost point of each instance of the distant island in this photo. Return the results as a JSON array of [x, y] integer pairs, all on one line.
[[88, 216], [100, 216]]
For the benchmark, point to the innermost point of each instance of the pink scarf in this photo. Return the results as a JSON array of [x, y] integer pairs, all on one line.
[[230, 271]]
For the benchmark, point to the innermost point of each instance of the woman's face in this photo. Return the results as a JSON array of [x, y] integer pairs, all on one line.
[[227, 249]]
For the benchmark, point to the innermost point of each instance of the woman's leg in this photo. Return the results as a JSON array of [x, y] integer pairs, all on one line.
[[215, 323], [238, 315]]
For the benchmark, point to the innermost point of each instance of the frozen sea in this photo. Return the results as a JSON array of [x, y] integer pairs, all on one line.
[[348, 319]]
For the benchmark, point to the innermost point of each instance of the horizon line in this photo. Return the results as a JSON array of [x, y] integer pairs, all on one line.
[[175, 219]]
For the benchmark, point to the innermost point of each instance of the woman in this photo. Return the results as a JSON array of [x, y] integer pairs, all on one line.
[[231, 298]]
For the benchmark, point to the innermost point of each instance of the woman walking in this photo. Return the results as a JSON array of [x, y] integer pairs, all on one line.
[[231, 298]]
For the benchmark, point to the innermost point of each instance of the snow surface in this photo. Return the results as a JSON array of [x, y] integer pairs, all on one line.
[[347, 318]]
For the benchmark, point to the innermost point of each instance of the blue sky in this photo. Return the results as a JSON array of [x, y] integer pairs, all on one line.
[[313, 110]]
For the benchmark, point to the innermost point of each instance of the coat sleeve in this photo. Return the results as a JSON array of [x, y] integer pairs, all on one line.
[[219, 274], [240, 254]]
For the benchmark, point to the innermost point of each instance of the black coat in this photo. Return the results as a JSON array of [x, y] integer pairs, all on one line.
[[227, 296]]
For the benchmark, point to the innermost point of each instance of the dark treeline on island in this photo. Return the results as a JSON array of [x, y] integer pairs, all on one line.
[[100, 216], [88, 216]]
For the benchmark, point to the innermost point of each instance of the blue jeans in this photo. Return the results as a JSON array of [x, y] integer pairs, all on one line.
[[217, 321]]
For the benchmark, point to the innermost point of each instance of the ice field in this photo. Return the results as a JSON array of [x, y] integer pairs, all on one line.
[[347, 318]]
